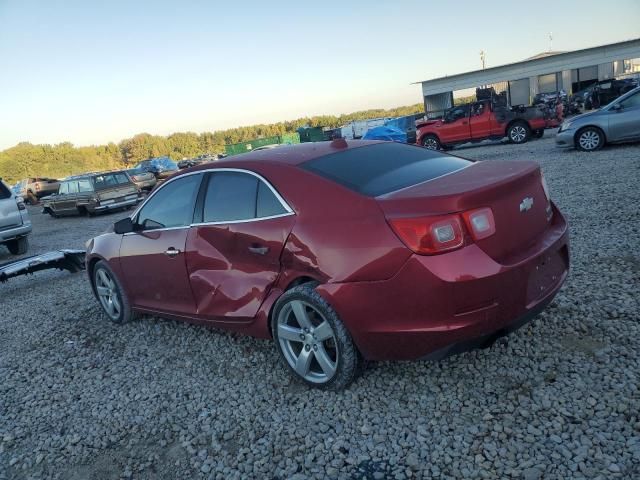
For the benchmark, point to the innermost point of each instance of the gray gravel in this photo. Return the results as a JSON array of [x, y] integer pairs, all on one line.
[[82, 398]]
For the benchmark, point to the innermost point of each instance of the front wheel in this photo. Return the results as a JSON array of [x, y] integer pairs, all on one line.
[[312, 340], [431, 142], [112, 297], [589, 139], [518, 133]]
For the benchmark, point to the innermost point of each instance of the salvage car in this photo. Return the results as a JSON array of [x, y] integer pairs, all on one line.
[[143, 180], [92, 193], [477, 121], [615, 123], [15, 223], [161, 167], [434, 255], [35, 188]]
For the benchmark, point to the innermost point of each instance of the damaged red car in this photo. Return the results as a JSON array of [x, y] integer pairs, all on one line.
[[340, 253]]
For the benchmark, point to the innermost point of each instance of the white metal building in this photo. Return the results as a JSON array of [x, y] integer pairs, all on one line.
[[545, 73]]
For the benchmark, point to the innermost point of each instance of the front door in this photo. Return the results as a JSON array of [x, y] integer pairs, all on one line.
[[456, 126], [480, 121], [233, 253], [65, 201], [153, 257], [624, 123]]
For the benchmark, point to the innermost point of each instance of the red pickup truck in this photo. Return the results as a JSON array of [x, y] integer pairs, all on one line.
[[478, 121]]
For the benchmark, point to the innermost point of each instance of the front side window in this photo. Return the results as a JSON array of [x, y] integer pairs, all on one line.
[[172, 205], [632, 101], [237, 196]]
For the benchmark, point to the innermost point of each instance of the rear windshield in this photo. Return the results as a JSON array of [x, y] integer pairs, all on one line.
[[4, 191], [384, 167], [109, 180]]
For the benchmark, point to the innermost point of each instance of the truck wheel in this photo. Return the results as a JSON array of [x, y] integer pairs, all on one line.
[[538, 133], [518, 132], [589, 139], [431, 142], [19, 246]]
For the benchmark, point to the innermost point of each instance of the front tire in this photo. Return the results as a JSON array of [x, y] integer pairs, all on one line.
[[18, 246], [589, 139], [431, 142], [518, 133], [312, 340], [110, 294]]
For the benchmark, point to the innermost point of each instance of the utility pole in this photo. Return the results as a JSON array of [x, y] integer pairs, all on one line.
[[550, 41], [482, 58]]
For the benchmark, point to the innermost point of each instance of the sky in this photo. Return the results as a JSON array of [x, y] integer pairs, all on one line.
[[91, 72]]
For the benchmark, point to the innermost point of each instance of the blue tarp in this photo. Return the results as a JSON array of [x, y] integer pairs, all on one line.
[[402, 123], [386, 132]]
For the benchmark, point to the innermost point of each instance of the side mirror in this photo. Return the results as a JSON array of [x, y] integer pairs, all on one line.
[[123, 226]]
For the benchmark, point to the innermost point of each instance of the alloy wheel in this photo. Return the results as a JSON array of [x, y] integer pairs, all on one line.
[[430, 143], [108, 294], [518, 134], [307, 341], [589, 140]]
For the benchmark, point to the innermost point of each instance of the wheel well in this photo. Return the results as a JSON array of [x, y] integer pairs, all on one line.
[[428, 134], [90, 267], [582, 129], [517, 120], [294, 283]]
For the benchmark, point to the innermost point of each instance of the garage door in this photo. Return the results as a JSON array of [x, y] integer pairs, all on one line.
[[547, 83], [519, 92]]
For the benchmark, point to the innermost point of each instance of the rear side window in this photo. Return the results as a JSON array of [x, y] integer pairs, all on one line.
[[4, 191], [237, 196], [110, 180], [84, 186], [230, 196], [382, 168]]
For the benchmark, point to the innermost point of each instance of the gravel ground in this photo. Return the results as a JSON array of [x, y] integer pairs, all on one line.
[[155, 399]]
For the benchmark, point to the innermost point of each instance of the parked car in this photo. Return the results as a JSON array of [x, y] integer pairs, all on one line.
[[143, 180], [34, 188], [603, 92], [161, 167], [199, 160], [15, 223], [617, 122], [92, 193], [435, 254], [477, 121]]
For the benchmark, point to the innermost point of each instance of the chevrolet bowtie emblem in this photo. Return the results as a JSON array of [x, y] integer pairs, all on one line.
[[526, 204]]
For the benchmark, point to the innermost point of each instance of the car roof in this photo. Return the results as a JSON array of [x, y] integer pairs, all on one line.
[[287, 154]]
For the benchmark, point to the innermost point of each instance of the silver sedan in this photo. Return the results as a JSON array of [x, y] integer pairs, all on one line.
[[617, 122]]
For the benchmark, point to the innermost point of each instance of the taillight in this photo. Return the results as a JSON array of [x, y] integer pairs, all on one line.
[[430, 235], [20, 202], [480, 223], [545, 187]]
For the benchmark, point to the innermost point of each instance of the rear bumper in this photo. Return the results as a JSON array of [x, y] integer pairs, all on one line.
[[439, 305], [565, 139], [121, 204], [16, 232]]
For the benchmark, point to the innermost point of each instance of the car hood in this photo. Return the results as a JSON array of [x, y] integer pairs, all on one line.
[[577, 118]]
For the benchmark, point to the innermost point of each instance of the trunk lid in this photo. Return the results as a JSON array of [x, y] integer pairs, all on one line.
[[513, 191]]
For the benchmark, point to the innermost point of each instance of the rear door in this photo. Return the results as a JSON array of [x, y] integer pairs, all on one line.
[[153, 258], [233, 252], [9, 213], [65, 201], [624, 124]]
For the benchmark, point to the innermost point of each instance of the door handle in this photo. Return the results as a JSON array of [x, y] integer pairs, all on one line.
[[171, 252], [259, 250]]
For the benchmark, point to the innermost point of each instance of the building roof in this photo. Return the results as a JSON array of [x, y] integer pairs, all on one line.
[[537, 65]]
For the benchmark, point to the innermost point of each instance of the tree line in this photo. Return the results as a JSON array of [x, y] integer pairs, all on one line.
[[64, 159]]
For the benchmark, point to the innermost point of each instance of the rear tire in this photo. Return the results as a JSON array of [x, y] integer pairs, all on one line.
[[110, 294], [313, 342], [538, 133], [431, 142], [18, 246], [518, 132], [589, 139], [32, 199]]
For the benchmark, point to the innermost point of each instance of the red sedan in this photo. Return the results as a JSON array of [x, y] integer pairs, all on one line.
[[341, 253]]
